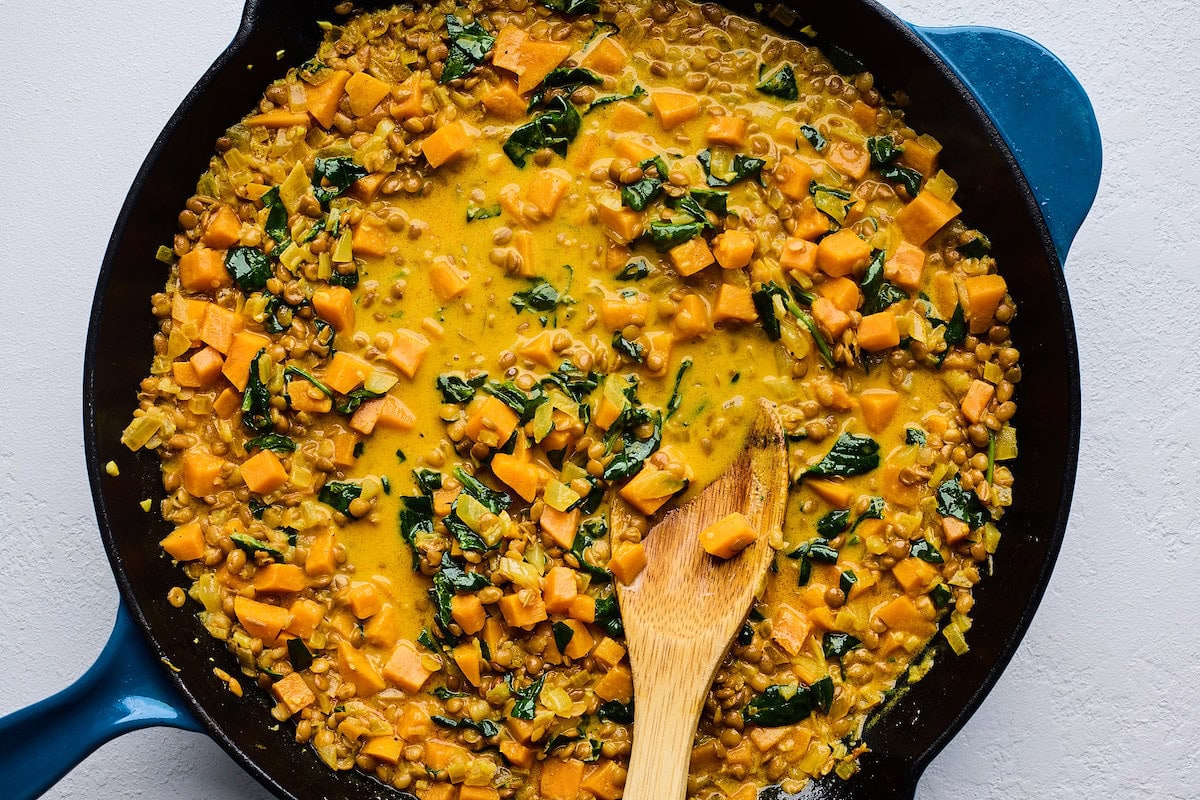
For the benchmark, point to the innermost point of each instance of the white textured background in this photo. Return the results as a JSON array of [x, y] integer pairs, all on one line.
[[1102, 699]]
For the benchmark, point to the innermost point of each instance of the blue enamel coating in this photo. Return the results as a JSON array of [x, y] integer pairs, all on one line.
[[123, 691], [1040, 109]]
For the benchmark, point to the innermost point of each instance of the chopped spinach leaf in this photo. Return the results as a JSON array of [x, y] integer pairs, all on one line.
[[487, 729], [251, 545], [956, 328], [764, 304], [249, 267], [467, 539], [883, 151], [257, 508], [588, 532], [340, 173], [914, 436], [298, 654], [456, 389], [277, 216], [641, 193], [272, 441], [568, 79], [847, 580], [428, 480], [573, 7], [814, 137], [346, 279], [541, 297], [781, 83], [851, 454], [835, 203], [745, 635], [779, 706], [634, 271], [822, 694], [925, 551], [819, 551], [635, 452], [666, 235], [630, 349], [491, 499], [600, 102], [475, 212], [576, 383], [256, 400], [350, 403], [469, 46], [941, 595], [339, 494], [690, 206], [459, 579], [836, 645], [833, 523], [978, 247], [563, 633], [874, 511], [842, 59], [879, 294], [555, 128], [743, 167], [955, 501], [443, 693], [712, 200], [608, 616], [676, 392], [416, 522], [524, 404], [526, 699], [910, 179], [614, 711]]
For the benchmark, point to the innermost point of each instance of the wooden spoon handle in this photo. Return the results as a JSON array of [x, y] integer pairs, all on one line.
[[665, 720]]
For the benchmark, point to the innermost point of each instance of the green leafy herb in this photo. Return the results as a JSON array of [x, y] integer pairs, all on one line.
[[878, 293], [874, 511], [475, 212], [257, 508], [836, 645], [764, 305], [779, 706], [491, 499], [346, 279], [666, 235], [567, 79], [941, 595], [350, 403], [277, 217], [814, 137], [442, 597], [955, 501], [524, 404], [781, 83], [573, 7], [632, 350], [249, 267], [634, 271], [910, 179], [925, 551], [641, 193], [819, 551], [563, 633], [676, 392], [822, 694], [296, 372], [298, 654], [978, 247], [745, 635], [842, 59], [635, 451], [487, 729], [427, 639], [883, 151], [251, 545], [833, 523], [526, 699], [469, 46], [690, 206], [588, 532], [339, 494], [576, 383], [272, 441], [340, 173], [459, 579], [555, 128], [614, 711], [428, 480], [608, 616], [847, 580], [851, 454], [456, 389], [990, 475], [256, 400], [956, 328], [743, 167], [712, 200], [914, 436], [835, 203], [416, 523], [467, 539], [541, 297], [600, 102]]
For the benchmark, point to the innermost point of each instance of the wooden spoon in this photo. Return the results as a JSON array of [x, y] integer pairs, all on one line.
[[684, 609]]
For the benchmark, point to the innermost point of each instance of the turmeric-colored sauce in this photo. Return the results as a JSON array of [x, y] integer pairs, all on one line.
[[473, 275]]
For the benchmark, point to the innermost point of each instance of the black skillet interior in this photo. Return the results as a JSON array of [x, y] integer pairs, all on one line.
[[995, 197]]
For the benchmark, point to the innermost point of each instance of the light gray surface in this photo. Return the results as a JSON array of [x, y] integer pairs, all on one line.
[[1101, 700]]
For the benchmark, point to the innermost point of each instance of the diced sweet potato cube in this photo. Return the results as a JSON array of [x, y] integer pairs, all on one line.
[[636, 148], [293, 692], [438, 791], [842, 253], [520, 476], [842, 292], [547, 190], [657, 343], [561, 779], [925, 216], [469, 661], [335, 305], [810, 222], [609, 652], [185, 543], [674, 108], [878, 408], [504, 102], [617, 684], [222, 229], [606, 780], [383, 748], [492, 416], [364, 600], [625, 223], [692, 317], [242, 350], [921, 154], [651, 488], [357, 669], [439, 754], [955, 530], [381, 628], [517, 754], [560, 527], [279, 118], [185, 375], [304, 396], [728, 536], [322, 100], [538, 59], [411, 105], [468, 613], [799, 255], [836, 493], [793, 177], [263, 472], [447, 281], [902, 614], [414, 723], [691, 256], [407, 351], [365, 92], [371, 237], [850, 159], [914, 575], [832, 320], [734, 303], [201, 475], [346, 372], [219, 326], [626, 116], [520, 614], [878, 331], [583, 608], [906, 267], [306, 615], [446, 144], [627, 562], [975, 401], [559, 590], [203, 269], [406, 668], [477, 793], [262, 621], [984, 293], [606, 56], [790, 629], [280, 579], [733, 249], [227, 404], [729, 129], [617, 311]]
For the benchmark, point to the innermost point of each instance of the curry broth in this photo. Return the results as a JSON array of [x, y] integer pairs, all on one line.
[[374, 289]]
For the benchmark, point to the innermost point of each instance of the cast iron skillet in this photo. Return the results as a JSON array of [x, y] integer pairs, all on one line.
[[1020, 138]]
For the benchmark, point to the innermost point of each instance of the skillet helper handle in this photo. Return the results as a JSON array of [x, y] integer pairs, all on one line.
[[1040, 109], [123, 691]]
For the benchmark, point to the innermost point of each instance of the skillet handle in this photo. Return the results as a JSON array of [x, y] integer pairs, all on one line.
[[1040, 109], [123, 691]]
